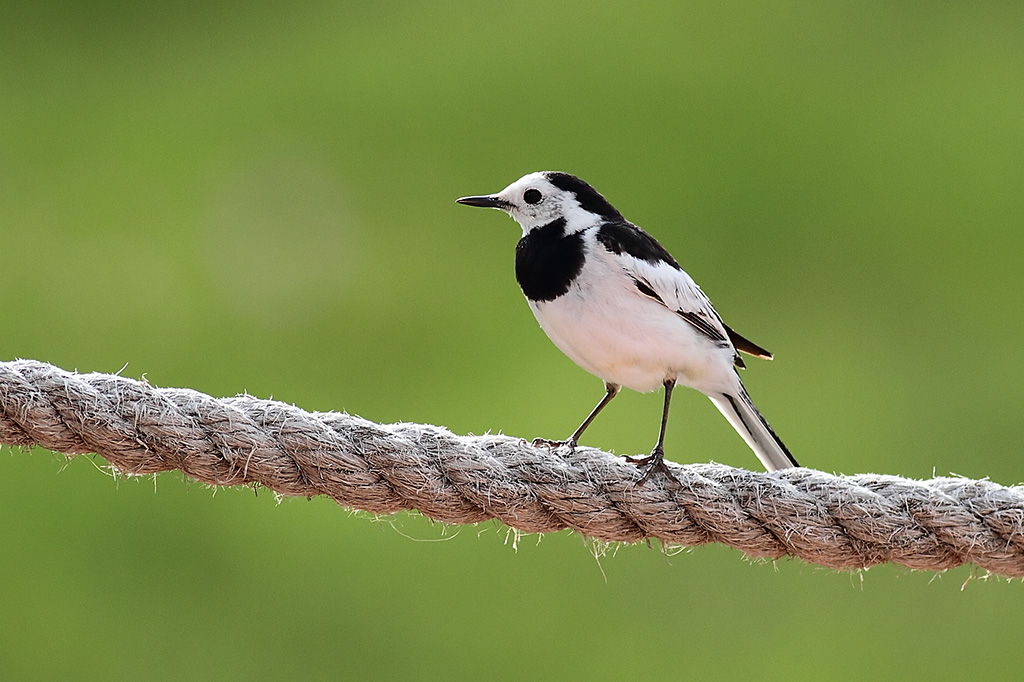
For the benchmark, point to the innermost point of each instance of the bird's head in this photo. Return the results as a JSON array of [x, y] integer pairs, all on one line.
[[537, 199]]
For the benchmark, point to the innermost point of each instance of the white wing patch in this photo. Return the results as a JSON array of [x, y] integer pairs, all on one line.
[[677, 291]]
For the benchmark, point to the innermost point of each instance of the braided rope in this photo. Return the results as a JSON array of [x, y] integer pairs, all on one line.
[[841, 522]]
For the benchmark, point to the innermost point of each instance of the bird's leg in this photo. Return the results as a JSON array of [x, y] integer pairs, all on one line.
[[611, 391], [656, 460]]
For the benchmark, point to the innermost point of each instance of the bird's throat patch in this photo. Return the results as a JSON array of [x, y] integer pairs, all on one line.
[[548, 260]]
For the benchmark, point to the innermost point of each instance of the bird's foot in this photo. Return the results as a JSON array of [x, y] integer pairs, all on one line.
[[544, 442], [652, 462]]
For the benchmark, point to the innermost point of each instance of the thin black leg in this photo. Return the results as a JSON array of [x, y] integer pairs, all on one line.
[[611, 390], [656, 460]]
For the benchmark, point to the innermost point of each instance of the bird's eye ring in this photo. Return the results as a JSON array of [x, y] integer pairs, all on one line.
[[531, 196]]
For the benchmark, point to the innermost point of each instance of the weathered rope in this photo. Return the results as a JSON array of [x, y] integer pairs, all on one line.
[[842, 522]]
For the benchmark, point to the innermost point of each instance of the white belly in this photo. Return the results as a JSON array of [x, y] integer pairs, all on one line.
[[626, 338]]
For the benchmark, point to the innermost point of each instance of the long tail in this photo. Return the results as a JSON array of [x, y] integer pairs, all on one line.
[[740, 411]]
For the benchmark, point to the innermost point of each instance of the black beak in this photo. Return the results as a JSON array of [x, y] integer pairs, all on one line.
[[489, 201]]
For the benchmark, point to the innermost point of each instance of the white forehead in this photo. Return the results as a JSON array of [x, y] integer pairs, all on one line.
[[555, 203], [536, 180]]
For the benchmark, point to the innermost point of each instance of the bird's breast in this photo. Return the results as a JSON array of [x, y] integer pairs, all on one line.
[[609, 329], [548, 261]]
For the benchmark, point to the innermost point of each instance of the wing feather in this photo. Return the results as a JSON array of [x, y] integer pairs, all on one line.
[[664, 281], [677, 291]]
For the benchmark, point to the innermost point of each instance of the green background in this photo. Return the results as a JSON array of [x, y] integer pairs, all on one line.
[[260, 197]]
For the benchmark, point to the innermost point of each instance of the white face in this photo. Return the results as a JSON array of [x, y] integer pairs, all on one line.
[[533, 201]]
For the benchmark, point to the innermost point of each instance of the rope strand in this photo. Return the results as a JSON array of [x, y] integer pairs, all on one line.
[[840, 522]]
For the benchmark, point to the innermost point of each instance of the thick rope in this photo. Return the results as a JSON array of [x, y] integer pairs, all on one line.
[[841, 522]]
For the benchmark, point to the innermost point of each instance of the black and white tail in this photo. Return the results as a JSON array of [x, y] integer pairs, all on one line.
[[740, 411]]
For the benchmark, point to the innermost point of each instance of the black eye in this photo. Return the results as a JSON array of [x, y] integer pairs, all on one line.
[[531, 196]]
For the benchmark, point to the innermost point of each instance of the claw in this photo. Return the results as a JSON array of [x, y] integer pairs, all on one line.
[[539, 442], [652, 462]]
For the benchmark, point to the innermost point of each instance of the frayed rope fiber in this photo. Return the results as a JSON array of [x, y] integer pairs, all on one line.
[[841, 522]]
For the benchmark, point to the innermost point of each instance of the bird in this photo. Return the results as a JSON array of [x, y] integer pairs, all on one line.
[[617, 303]]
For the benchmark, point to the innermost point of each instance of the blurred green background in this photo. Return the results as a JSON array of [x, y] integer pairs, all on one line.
[[260, 197]]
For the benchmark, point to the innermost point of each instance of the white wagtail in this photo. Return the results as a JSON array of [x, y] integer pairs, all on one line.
[[618, 304]]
